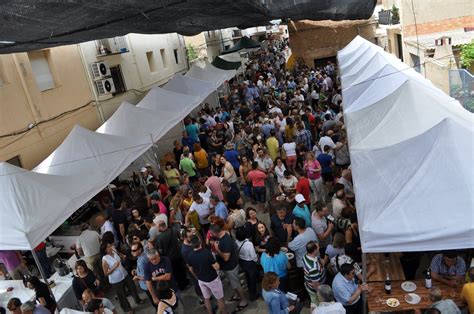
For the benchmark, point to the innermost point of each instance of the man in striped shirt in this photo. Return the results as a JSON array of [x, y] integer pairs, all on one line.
[[314, 272]]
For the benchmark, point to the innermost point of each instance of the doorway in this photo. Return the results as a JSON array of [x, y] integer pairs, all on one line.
[[399, 46], [322, 62], [119, 82]]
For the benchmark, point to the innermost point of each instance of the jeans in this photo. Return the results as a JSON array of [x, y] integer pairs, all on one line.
[[248, 190], [259, 193], [119, 289]]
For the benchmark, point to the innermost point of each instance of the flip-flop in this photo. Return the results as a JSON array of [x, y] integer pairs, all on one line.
[[234, 299], [240, 307]]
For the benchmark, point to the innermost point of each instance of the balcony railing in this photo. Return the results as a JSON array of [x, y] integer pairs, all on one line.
[[461, 87]]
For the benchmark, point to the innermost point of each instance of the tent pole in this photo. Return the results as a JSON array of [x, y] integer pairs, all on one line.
[[155, 154], [40, 268], [364, 279]]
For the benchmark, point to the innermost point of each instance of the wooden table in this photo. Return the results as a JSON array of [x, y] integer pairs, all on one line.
[[377, 297], [384, 265]]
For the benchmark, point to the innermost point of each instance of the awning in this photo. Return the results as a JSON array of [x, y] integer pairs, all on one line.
[[222, 64]]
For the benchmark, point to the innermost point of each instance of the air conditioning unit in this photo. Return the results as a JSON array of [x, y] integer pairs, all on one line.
[[99, 70], [105, 87]]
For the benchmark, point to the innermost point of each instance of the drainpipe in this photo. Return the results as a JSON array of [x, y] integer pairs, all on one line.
[[91, 87], [22, 73]]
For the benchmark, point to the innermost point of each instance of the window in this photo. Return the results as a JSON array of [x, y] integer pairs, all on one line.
[[151, 61], [226, 47], [41, 69], [163, 57], [416, 62], [176, 56], [16, 161]]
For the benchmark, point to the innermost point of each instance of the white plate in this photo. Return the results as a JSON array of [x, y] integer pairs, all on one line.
[[284, 249], [408, 286], [290, 255], [412, 298], [392, 302]]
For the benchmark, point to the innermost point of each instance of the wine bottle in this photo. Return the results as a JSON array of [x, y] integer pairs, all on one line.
[[388, 285], [428, 279]]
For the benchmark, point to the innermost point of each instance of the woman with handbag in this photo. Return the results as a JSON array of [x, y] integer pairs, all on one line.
[[85, 279], [118, 276], [247, 261]]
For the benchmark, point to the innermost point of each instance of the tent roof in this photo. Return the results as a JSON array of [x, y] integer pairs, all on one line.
[[31, 25], [220, 63], [35, 203], [244, 43], [411, 149], [211, 76]]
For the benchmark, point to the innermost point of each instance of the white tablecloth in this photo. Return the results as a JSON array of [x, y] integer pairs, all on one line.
[[62, 291]]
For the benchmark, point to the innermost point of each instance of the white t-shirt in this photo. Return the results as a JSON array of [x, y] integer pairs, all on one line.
[[290, 149], [289, 183], [337, 207], [329, 308], [89, 242], [326, 140], [202, 209]]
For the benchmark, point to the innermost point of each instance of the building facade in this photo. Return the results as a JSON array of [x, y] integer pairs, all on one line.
[[429, 35], [44, 93]]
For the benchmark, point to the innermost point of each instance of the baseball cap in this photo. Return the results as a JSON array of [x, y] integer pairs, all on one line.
[[143, 169], [299, 198]]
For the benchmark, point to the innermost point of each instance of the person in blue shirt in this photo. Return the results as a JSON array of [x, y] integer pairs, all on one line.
[[192, 130], [301, 209], [274, 260], [276, 300], [326, 162], [220, 210], [232, 156], [347, 291], [139, 273]]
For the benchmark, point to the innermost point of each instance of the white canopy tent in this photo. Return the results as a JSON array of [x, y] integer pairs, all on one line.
[[190, 86], [35, 203], [212, 76], [412, 149]]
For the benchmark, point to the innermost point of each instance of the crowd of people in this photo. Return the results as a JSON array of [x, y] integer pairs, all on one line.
[[206, 217]]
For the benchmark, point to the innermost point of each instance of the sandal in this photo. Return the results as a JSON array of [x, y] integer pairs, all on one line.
[[240, 307], [234, 299]]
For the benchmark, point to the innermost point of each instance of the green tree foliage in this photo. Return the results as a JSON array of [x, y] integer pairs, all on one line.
[[395, 15], [467, 55], [192, 54]]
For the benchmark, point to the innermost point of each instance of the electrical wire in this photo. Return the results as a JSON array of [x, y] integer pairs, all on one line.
[[416, 32], [57, 117]]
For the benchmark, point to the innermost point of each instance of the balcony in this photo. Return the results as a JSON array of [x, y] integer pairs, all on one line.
[[111, 46]]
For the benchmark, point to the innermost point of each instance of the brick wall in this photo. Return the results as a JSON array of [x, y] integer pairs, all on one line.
[[439, 26], [321, 39]]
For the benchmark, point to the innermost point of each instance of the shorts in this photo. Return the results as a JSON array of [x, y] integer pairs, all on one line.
[[233, 277], [213, 288], [291, 161]]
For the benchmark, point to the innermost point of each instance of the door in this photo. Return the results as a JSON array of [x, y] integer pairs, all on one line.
[[399, 46], [119, 82]]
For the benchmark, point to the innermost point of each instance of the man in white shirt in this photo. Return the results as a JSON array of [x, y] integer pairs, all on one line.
[[327, 140], [88, 245], [327, 304], [203, 207], [106, 225]]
